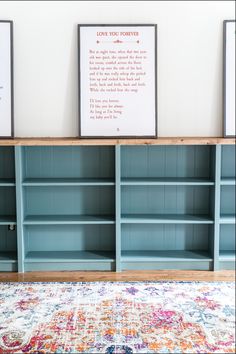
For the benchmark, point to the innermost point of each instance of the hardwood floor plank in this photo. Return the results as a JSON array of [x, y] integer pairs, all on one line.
[[87, 276]]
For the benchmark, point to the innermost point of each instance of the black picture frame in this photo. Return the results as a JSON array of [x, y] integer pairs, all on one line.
[[226, 116], [135, 136], [11, 80]]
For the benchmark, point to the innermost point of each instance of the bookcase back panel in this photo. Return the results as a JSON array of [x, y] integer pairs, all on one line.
[[69, 200], [7, 201], [227, 200], [228, 161], [166, 200], [7, 239], [165, 237], [68, 162], [166, 161], [69, 238], [7, 164], [227, 237]]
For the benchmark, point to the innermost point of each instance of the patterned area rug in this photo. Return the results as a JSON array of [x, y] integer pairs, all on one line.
[[105, 317]]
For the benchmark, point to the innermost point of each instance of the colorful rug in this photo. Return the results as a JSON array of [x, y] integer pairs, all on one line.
[[105, 317]]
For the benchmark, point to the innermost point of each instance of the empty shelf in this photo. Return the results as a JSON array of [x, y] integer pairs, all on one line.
[[69, 256], [68, 219], [227, 256], [165, 256], [165, 219], [228, 181], [7, 182], [7, 219], [227, 219], [68, 182], [8, 257], [175, 181]]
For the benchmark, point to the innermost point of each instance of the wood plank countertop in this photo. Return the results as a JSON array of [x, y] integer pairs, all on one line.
[[118, 141]]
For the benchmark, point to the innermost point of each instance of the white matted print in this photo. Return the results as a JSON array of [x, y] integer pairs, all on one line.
[[229, 78], [117, 80], [6, 79]]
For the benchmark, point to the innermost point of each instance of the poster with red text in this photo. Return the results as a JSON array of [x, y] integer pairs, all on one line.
[[117, 80]]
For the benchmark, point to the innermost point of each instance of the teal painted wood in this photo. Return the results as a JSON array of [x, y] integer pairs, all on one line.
[[118, 206], [228, 168], [8, 257], [69, 256], [70, 260], [69, 162], [8, 245], [183, 200], [165, 219], [165, 237], [228, 181], [216, 203], [7, 203], [166, 161], [50, 182], [7, 182], [163, 256], [70, 266], [227, 200], [140, 181], [227, 209], [19, 208], [7, 166], [68, 219], [7, 220], [59, 238], [227, 219], [227, 238], [75, 200]]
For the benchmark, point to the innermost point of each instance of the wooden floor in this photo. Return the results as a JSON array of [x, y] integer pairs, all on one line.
[[179, 275]]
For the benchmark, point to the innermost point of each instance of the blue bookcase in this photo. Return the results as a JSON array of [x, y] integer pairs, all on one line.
[[166, 207], [8, 242], [115, 206], [227, 208]]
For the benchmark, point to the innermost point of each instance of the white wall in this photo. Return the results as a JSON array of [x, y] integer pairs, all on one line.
[[189, 61]]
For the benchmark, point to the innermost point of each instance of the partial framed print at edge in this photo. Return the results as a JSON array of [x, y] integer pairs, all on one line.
[[6, 80], [229, 78], [117, 81]]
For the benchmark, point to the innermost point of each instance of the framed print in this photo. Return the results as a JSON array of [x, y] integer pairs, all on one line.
[[229, 78], [6, 79], [117, 81]]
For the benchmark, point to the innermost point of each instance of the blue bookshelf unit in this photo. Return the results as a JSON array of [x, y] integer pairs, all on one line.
[[117, 204], [8, 238]]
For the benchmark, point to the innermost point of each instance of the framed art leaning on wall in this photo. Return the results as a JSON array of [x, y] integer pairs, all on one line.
[[6, 79], [117, 81], [229, 78]]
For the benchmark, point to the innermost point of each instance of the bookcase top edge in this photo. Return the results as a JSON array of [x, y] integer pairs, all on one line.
[[86, 142]]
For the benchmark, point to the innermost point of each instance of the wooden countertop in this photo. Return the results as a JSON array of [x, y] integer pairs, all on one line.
[[118, 141]]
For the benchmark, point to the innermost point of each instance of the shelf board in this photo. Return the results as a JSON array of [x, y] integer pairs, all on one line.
[[68, 182], [165, 219], [227, 219], [165, 256], [8, 257], [69, 256], [227, 256], [169, 181], [68, 219], [7, 182], [72, 141], [7, 219], [228, 181]]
